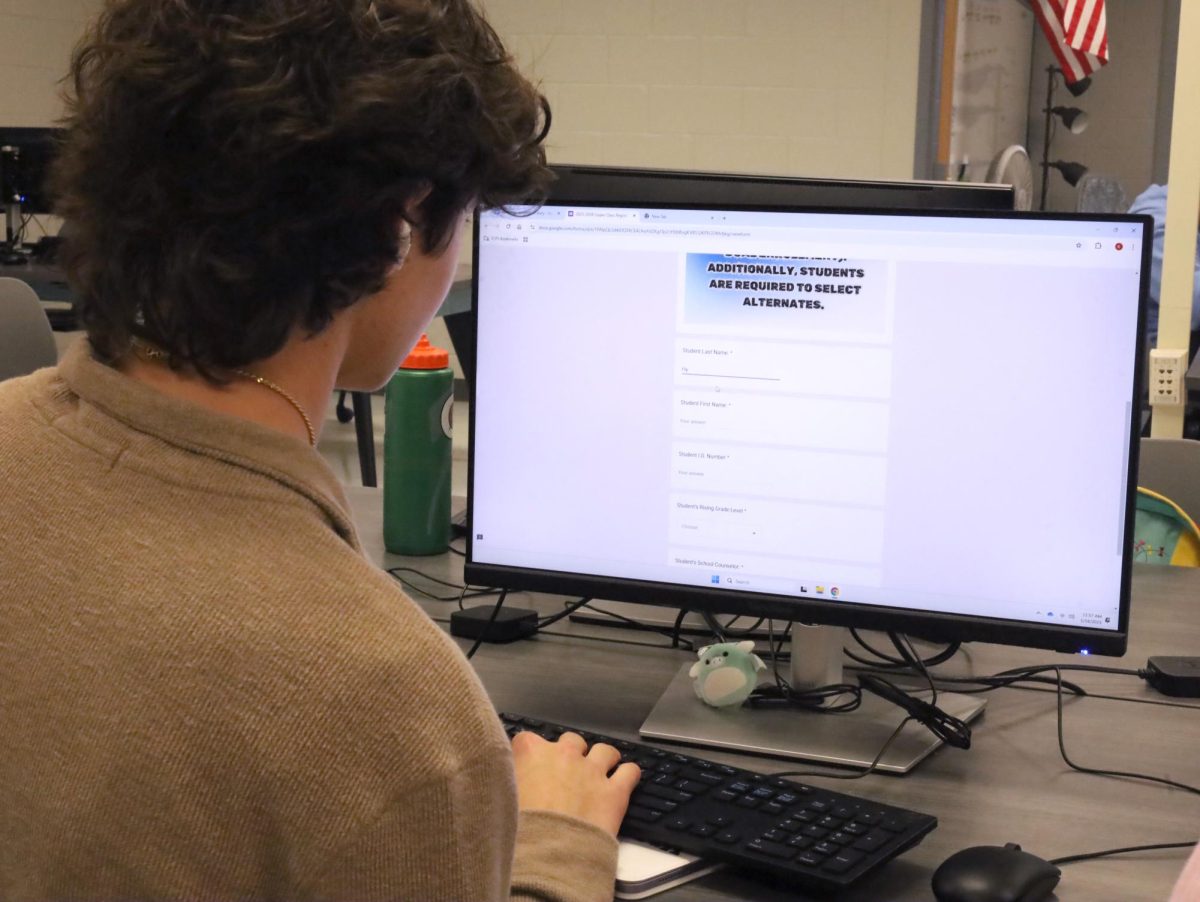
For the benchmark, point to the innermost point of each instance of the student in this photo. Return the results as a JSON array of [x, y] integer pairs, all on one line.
[[206, 690], [1153, 202]]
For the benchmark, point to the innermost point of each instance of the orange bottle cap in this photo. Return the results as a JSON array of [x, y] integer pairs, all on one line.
[[426, 357]]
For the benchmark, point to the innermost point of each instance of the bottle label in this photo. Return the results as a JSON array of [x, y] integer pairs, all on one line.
[[448, 416]]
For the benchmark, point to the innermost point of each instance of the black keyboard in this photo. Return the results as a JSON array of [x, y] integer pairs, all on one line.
[[813, 838]]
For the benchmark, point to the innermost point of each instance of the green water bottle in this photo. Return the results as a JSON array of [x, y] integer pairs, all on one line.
[[416, 453]]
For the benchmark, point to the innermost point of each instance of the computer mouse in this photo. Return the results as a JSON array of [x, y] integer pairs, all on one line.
[[994, 874]]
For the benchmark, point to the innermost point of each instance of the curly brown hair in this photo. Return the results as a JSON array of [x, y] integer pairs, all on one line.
[[233, 169]]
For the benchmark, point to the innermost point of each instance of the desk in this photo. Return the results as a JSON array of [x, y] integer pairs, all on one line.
[[1010, 787]]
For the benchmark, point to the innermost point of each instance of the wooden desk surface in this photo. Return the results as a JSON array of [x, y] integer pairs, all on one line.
[[1011, 786]]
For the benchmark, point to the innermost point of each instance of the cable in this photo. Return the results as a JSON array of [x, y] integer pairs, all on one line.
[[995, 682], [568, 609], [1062, 749], [857, 775], [946, 727], [482, 592], [711, 621], [483, 633], [820, 700], [740, 633], [809, 700], [940, 658], [683, 612], [673, 635], [1088, 856]]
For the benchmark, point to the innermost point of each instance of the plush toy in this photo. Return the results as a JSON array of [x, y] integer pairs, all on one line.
[[726, 674]]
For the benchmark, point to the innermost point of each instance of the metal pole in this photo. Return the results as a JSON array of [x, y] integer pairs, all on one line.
[[1046, 133]]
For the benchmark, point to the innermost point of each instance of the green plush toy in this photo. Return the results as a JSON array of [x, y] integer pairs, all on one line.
[[726, 673]]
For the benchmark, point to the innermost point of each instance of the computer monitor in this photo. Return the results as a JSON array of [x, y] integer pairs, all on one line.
[[912, 421], [25, 157], [624, 184]]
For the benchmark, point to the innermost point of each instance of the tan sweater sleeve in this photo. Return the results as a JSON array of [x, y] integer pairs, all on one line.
[[442, 842], [450, 838], [562, 859]]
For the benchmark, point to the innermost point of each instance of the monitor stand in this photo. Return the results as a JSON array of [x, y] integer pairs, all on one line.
[[851, 740]]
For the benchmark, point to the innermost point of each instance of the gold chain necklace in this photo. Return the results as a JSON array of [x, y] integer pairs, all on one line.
[[153, 353]]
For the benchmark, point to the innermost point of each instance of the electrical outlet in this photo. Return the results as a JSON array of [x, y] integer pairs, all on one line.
[[1166, 377]]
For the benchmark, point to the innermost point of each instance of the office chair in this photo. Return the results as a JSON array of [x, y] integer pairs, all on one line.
[[26, 340], [1171, 467], [364, 430]]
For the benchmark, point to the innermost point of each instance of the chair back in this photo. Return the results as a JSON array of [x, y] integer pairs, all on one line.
[[26, 340], [1168, 502], [1171, 467], [1163, 533]]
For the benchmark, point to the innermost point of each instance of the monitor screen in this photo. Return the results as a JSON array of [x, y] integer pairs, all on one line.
[[892, 420]]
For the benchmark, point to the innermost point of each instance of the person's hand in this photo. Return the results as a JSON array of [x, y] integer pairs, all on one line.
[[568, 777]]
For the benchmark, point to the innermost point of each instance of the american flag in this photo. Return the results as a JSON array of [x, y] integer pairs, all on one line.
[[1078, 33]]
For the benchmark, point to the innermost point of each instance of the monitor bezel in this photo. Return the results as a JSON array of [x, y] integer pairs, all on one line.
[[937, 626], [671, 186]]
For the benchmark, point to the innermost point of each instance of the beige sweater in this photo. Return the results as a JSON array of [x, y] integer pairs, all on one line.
[[207, 692]]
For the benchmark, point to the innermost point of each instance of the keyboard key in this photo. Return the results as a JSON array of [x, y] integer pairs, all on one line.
[[665, 792], [740, 788], [894, 824], [791, 825], [826, 848], [763, 793], [638, 813], [810, 858], [776, 836], [872, 841], [720, 820], [868, 817], [799, 842], [728, 837], [830, 822], [773, 808], [749, 802], [692, 787], [774, 849], [727, 795], [647, 801], [855, 829], [840, 838], [843, 861], [845, 812], [815, 832], [703, 830], [678, 823]]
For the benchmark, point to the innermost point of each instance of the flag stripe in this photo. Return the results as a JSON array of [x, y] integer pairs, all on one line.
[[1077, 31]]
